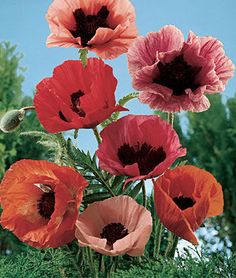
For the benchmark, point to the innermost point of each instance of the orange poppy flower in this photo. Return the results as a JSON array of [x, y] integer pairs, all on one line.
[[115, 226], [105, 26], [40, 202], [185, 197]]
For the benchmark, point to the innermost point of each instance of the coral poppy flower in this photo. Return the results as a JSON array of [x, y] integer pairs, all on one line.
[[139, 146], [185, 197], [40, 202], [175, 75], [76, 97], [104, 26], [115, 226]]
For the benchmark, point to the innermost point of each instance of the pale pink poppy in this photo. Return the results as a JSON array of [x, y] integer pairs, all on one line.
[[115, 226], [173, 74], [105, 26]]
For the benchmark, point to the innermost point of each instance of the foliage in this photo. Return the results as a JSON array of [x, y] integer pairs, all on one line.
[[12, 146], [60, 263]]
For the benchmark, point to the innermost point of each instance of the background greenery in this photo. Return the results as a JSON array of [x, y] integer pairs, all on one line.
[[211, 143]]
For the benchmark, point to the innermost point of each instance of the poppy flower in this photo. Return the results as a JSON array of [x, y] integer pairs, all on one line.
[[174, 74], [40, 202], [76, 97], [185, 197], [105, 26], [115, 226], [140, 147]]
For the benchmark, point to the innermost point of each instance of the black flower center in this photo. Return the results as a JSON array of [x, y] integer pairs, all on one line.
[[184, 202], [113, 232], [86, 25], [75, 103], [46, 204], [75, 106], [145, 155], [178, 75]]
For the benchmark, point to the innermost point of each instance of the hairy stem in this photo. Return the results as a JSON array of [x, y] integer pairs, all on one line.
[[97, 135], [144, 194]]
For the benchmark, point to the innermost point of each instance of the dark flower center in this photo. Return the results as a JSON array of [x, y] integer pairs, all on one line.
[[145, 155], [178, 76], [86, 25], [113, 232], [75, 103], [46, 204], [75, 106], [184, 202]]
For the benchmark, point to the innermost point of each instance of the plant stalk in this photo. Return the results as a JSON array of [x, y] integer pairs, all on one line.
[[97, 135]]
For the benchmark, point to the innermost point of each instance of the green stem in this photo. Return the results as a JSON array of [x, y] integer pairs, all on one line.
[[169, 244], [171, 253], [76, 132], [157, 243], [144, 194], [171, 118], [101, 263], [96, 133]]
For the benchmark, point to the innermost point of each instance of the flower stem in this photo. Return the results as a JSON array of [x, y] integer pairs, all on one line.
[[171, 118], [97, 135], [171, 253], [157, 242], [144, 194]]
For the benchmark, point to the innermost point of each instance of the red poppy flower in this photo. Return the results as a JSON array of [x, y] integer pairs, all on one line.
[[175, 75], [40, 202], [76, 97], [104, 26], [185, 197], [139, 146], [121, 226]]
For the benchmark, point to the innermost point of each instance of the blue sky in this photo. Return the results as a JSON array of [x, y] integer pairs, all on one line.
[[22, 22]]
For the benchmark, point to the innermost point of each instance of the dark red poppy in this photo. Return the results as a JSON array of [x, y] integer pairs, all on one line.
[[140, 147], [76, 96], [40, 202], [185, 197]]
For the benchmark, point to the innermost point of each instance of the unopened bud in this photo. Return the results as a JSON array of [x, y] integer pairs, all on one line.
[[11, 120]]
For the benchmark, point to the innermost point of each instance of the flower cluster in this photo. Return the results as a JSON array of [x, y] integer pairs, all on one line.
[[44, 203]]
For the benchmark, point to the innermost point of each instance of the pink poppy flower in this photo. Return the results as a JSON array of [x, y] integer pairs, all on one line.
[[140, 147], [115, 226], [174, 74], [104, 26]]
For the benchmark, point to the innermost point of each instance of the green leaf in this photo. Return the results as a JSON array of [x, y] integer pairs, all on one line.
[[88, 199], [114, 117], [135, 190]]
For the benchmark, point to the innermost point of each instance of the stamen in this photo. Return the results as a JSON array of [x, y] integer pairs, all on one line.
[[46, 204], [87, 25], [178, 75], [145, 155], [113, 232], [75, 103], [184, 202]]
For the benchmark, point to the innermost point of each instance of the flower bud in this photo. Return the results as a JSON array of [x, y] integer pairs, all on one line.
[[11, 120]]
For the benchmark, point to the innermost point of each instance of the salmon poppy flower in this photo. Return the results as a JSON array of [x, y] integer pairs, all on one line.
[[185, 197], [76, 97], [174, 74], [115, 226], [140, 147], [40, 202], [105, 26]]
